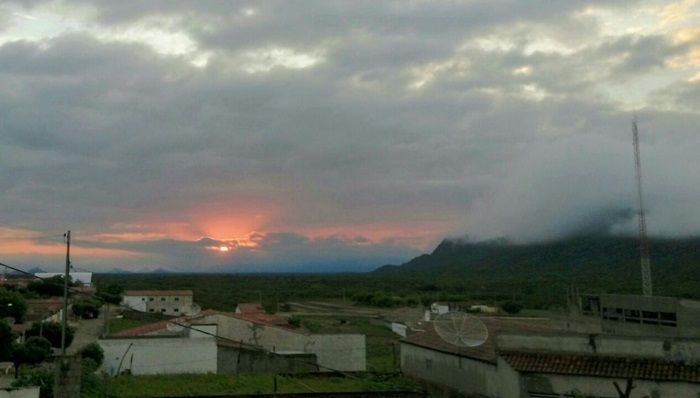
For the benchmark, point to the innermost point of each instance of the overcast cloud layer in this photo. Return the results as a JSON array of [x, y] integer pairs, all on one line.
[[337, 135]]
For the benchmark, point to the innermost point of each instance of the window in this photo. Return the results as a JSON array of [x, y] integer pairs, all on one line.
[[162, 310], [428, 363], [177, 298], [667, 318], [162, 299], [150, 299], [143, 299], [176, 310], [151, 310]]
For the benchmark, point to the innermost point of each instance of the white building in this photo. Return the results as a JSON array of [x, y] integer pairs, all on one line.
[[167, 302], [255, 337]]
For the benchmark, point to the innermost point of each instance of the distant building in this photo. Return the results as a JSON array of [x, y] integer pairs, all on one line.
[[84, 278], [439, 308], [633, 315], [486, 309], [167, 302]]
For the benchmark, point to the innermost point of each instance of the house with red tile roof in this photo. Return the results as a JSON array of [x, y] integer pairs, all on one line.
[[529, 358]]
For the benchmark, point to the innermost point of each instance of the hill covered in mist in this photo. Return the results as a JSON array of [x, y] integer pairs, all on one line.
[[592, 264]]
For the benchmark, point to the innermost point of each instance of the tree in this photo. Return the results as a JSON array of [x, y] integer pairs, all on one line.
[[42, 378], [35, 350], [111, 293], [48, 287], [12, 304], [94, 352], [52, 332], [6, 338], [87, 308], [512, 307]]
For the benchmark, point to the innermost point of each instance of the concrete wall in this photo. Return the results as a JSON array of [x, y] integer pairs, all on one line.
[[600, 387], [468, 376], [136, 303], [160, 355], [669, 349], [346, 352], [26, 392], [400, 329], [233, 360]]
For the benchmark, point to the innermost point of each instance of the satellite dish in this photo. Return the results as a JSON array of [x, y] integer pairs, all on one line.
[[460, 329]]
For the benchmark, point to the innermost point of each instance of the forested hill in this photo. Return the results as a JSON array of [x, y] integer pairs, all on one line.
[[600, 264]]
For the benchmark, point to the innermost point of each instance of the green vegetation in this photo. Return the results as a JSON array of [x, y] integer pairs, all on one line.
[[511, 307], [132, 319], [87, 308], [487, 273], [6, 340], [12, 304], [94, 352], [49, 287], [110, 293], [52, 332], [213, 384], [41, 377]]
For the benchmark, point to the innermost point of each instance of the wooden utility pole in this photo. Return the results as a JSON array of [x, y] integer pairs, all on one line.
[[64, 317]]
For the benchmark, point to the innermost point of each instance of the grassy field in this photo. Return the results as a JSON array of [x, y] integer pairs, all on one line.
[[381, 357], [212, 384], [132, 319]]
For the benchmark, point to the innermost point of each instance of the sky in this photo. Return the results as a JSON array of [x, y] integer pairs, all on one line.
[[322, 135]]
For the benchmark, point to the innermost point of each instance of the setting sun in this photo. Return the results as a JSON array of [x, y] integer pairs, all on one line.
[[223, 248]]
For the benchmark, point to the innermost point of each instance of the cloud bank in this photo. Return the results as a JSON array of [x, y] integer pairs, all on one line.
[[292, 129]]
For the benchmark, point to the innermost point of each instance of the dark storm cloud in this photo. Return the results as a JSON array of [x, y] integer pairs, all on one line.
[[407, 117]]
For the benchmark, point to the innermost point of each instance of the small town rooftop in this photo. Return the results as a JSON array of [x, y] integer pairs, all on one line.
[[158, 293], [485, 352]]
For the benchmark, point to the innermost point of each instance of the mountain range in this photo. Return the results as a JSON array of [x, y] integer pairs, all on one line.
[[593, 264]]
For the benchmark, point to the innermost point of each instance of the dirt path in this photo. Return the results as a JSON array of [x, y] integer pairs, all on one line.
[[87, 331]]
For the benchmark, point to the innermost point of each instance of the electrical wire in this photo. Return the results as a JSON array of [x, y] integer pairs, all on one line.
[[218, 337]]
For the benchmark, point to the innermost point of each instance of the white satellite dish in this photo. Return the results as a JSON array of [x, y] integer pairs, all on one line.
[[460, 329]]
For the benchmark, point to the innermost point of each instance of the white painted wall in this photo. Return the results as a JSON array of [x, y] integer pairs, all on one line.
[[136, 303], [346, 352], [468, 376], [26, 392], [399, 328], [160, 355]]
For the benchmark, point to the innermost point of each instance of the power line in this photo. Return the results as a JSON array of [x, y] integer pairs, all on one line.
[[237, 342]]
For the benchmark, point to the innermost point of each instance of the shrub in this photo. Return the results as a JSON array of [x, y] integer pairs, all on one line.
[[12, 304], [512, 307], [35, 350], [87, 309], [52, 332], [294, 321], [94, 352], [40, 377]]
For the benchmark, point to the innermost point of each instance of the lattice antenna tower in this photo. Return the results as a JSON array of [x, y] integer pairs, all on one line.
[[643, 239]]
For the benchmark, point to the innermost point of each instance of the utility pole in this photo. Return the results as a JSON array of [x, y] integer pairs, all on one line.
[[64, 317], [643, 239]]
